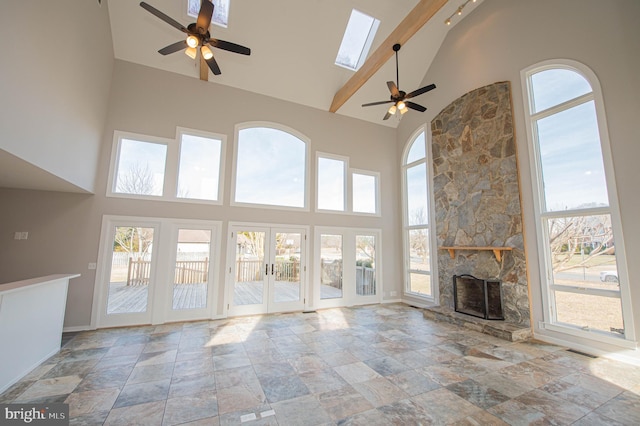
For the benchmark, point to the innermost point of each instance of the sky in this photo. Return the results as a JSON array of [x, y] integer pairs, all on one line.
[[270, 168], [199, 170], [569, 141]]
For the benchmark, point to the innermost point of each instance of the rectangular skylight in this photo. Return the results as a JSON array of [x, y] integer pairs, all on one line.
[[220, 11], [357, 40]]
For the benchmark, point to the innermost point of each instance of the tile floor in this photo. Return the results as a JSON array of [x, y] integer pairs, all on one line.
[[374, 365]]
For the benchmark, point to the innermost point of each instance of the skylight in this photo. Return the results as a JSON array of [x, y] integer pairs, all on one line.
[[220, 11], [357, 40]]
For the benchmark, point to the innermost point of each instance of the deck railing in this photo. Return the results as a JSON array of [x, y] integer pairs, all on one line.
[[186, 272], [253, 270]]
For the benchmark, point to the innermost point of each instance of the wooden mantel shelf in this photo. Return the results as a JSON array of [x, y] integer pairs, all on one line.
[[497, 251]]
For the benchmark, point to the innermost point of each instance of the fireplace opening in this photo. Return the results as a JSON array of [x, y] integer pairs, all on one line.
[[478, 297]]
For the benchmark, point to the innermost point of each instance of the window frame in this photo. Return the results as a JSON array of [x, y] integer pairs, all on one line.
[[542, 215], [171, 166], [221, 170], [114, 164], [283, 128], [376, 176], [345, 181], [406, 228], [348, 186]]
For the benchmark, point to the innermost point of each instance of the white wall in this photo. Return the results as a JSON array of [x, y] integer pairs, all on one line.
[[501, 38], [149, 101], [56, 64]]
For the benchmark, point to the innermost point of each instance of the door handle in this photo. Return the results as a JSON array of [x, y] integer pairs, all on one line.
[[266, 269], [272, 269]]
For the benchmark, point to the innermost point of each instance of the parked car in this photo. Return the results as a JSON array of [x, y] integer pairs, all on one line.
[[609, 276]]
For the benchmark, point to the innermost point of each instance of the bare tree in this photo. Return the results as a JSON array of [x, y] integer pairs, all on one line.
[[137, 180], [133, 240], [569, 236]]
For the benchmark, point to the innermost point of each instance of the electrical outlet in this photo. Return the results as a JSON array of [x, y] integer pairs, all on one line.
[[93, 266], [24, 235], [393, 293], [20, 235]]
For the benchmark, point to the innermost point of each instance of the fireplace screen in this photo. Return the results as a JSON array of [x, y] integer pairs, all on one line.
[[477, 297]]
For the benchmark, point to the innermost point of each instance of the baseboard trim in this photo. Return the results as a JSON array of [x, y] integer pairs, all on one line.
[[77, 328]]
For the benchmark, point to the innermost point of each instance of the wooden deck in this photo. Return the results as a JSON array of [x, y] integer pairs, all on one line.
[[133, 299]]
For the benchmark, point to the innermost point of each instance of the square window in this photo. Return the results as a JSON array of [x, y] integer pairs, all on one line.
[[140, 168], [199, 169], [331, 183], [364, 193]]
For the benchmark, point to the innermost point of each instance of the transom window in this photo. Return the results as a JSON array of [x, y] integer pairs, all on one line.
[[331, 183], [416, 228], [271, 167], [357, 40], [577, 225], [340, 189], [185, 169], [200, 165]]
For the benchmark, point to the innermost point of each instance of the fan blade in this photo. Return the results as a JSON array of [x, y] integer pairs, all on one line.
[[172, 48], [204, 69], [415, 106], [420, 91], [162, 16], [386, 116], [204, 17], [376, 103], [213, 65], [231, 47], [393, 88]]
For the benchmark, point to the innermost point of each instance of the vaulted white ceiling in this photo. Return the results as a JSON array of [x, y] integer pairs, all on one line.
[[293, 48]]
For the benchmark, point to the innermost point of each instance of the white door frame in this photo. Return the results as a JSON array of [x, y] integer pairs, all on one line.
[[214, 263], [100, 318], [349, 290], [268, 306], [160, 296]]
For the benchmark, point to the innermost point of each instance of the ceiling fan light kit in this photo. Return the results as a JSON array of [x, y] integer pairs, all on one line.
[[398, 97], [197, 35]]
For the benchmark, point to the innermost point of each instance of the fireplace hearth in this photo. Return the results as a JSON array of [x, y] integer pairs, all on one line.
[[477, 297]]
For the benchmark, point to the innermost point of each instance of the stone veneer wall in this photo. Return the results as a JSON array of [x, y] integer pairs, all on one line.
[[477, 195]]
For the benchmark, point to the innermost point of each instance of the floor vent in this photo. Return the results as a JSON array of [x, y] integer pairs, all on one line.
[[581, 353]]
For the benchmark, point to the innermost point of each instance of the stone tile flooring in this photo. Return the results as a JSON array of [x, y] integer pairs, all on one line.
[[374, 365]]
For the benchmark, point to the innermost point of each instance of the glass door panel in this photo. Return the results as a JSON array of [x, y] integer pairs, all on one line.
[[250, 268], [130, 275], [287, 274], [365, 265], [191, 271], [330, 266]]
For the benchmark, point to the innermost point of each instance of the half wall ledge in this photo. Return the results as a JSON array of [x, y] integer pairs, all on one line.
[[499, 329]]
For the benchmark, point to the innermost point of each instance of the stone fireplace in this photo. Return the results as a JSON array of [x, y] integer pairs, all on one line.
[[477, 197]]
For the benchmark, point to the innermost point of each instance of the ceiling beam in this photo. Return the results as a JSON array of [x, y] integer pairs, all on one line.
[[410, 25]]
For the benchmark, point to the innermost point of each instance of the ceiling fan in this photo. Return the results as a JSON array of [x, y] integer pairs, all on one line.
[[398, 97], [198, 36]]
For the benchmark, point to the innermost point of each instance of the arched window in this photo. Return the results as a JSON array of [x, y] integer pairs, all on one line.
[[416, 227], [271, 166], [579, 237]]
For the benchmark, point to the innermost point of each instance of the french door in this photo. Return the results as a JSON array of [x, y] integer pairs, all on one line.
[[266, 270], [189, 294], [153, 270], [346, 267]]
